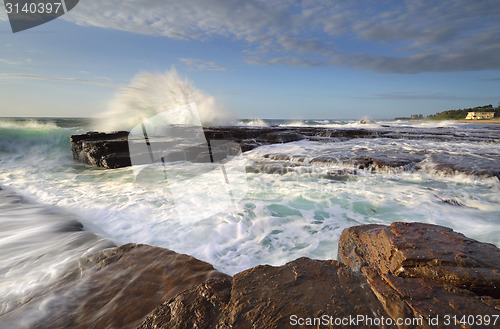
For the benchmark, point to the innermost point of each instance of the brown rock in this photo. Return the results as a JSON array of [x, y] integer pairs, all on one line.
[[266, 297], [199, 307], [118, 287], [421, 302], [416, 250], [423, 271], [270, 297]]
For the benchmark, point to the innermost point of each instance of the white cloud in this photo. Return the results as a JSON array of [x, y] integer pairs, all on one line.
[[196, 64], [9, 62], [47, 78], [386, 36]]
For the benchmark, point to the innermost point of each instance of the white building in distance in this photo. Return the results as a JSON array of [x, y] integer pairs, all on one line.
[[479, 115]]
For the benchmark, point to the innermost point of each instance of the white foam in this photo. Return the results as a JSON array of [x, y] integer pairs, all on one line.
[[31, 124], [149, 94], [253, 123], [283, 216], [38, 244]]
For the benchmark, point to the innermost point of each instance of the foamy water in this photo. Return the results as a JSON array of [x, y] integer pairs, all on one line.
[[299, 198], [285, 215], [149, 94], [294, 206]]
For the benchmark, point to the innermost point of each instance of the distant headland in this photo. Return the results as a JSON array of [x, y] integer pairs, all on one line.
[[486, 112]]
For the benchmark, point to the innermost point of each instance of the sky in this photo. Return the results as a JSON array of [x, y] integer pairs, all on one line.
[[321, 59]]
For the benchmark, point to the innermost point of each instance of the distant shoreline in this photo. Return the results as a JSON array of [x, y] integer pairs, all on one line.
[[480, 121], [497, 121]]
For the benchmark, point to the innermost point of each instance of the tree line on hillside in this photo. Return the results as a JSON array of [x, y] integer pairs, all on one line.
[[458, 114]]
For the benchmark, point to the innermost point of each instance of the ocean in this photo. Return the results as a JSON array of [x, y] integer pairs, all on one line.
[[294, 206]]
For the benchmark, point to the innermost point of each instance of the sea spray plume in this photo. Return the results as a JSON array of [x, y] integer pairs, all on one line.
[[149, 94]]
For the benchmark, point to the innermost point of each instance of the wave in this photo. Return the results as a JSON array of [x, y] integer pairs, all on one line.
[[28, 137], [39, 243], [253, 123], [28, 124], [289, 213], [150, 94]]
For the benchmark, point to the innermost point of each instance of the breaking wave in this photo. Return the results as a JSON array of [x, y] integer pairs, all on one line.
[[149, 94]]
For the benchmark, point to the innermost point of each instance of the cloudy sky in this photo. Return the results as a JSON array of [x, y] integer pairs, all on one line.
[[262, 59]]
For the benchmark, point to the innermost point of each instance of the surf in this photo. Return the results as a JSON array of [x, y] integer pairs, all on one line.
[[149, 94]]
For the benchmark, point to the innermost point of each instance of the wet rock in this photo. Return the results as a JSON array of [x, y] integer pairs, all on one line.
[[429, 305], [341, 174], [416, 250], [267, 297], [272, 297], [199, 307], [101, 149], [111, 150], [424, 270], [426, 274], [117, 287]]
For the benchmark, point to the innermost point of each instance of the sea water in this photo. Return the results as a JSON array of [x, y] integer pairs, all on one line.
[[297, 210], [299, 198], [293, 207]]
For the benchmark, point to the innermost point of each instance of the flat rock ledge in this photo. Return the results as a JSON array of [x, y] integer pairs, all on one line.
[[111, 150]]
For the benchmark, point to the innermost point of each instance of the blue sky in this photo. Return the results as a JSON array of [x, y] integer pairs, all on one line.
[[261, 59]]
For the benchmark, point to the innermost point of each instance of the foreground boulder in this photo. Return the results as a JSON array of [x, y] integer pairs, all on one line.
[[429, 271], [407, 275], [430, 252], [298, 293], [115, 288]]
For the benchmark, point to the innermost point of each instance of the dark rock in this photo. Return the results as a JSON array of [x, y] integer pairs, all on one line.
[[102, 150], [111, 150], [269, 297], [341, 174], [118, 287]]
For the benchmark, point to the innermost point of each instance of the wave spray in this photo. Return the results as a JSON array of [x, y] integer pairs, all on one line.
[[149, 94]]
